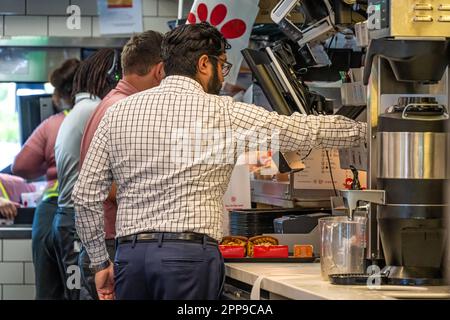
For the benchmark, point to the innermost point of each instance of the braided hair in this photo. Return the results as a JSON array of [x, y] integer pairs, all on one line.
[[92, 75]]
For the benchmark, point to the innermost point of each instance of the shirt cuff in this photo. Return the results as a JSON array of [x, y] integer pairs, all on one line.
[[102, 266], [101, 255]]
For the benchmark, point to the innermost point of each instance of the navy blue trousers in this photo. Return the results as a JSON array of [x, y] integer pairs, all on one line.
[[49, 284], [67, 246], [168, 270]]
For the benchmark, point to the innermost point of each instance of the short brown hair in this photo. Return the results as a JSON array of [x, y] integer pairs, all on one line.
[[141, 52]]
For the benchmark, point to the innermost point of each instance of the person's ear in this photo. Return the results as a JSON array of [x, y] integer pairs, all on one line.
[[202, 65], [156, 73], [159, 68]]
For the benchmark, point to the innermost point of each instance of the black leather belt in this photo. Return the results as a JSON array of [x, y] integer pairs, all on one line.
[[167, 236]]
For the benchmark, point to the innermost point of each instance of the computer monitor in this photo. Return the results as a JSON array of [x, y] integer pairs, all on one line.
[[32, 110], [259, 63], [285, 93]]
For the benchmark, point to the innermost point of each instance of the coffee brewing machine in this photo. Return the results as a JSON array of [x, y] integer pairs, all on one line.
[[408, 99]]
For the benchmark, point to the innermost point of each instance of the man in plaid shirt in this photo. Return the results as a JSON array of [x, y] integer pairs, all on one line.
[[171, 151]]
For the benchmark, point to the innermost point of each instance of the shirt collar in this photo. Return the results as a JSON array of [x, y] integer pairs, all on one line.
[[183, 82], [126, 88], [85, 95]]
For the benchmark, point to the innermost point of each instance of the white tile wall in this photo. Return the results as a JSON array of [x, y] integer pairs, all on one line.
[[12, 7], [11, 272], [167, 8], [15, 292], [47, 7], [58, 27], [95, 27], [150, 8], [48, 17], [157, 23], [16, 270], [17, 250], [25, 25], [29, 273], [88, 7]]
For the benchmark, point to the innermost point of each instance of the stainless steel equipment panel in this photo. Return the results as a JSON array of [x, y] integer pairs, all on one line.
[[412, 155]]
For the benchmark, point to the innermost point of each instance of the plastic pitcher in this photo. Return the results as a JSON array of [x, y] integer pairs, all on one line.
[[342, 245]]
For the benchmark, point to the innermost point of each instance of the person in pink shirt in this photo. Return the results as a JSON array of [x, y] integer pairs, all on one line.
[[37, 158], [142, 69], [12, 187]]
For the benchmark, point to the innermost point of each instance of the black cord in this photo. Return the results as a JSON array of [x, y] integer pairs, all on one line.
[[307, 155], [335, 39], [351, 15], [330, 43], [331, 173]]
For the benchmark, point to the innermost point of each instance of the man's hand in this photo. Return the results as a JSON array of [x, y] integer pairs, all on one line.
[[104, 282], [8, 209]]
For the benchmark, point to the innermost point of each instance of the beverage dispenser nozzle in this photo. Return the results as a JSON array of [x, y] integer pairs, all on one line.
[[353, 197]]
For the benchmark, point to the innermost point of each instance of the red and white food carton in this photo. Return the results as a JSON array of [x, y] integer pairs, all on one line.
[[232, 251], [271, 251]]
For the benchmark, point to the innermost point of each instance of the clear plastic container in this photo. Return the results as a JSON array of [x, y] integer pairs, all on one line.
[[343, 242]]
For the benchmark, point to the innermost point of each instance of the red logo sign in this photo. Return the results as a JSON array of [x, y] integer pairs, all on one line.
[[232, 29]]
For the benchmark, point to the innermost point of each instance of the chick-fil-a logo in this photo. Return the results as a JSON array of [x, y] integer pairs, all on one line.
[[231, 29]]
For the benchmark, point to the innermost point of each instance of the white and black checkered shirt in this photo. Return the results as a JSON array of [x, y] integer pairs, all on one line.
[[171, 151]]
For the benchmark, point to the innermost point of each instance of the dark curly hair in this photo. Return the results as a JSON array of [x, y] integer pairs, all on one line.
[[62, 78], [184, 45]]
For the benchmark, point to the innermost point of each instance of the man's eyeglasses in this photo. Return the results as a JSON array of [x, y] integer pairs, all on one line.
[[226, 67]]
